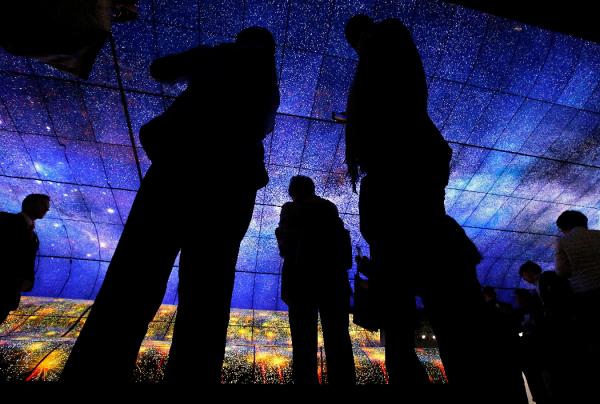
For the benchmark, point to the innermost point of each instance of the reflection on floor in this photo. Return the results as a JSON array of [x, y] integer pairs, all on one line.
[[36, 340]]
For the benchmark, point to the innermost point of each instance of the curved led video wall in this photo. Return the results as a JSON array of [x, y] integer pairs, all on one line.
[[519, 104]]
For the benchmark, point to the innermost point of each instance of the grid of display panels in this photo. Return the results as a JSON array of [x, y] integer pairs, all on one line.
[[35, 342], [519, 104]]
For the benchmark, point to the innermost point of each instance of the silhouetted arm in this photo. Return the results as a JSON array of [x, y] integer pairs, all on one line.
[[179, 66], [358, 118], [282, 232], [28, 271], [23, 250]]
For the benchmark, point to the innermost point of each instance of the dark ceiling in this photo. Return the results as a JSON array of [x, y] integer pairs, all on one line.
[[576, 17]]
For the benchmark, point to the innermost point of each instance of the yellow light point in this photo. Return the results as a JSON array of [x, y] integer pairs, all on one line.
[[375, 355], [162, 347], [35, 346], [51, 363], [263, 356], [280, 361], [45, 311], [272, 359], [51, 333], [247, 333]]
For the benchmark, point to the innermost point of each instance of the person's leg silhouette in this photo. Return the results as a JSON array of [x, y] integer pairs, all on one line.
[[206, 280], [133, 288]]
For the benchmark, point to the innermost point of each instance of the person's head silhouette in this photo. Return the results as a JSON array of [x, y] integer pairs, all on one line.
[[36, 205], [301, 188], [356, 27], [256, 38], [570, 219], [530, 272]]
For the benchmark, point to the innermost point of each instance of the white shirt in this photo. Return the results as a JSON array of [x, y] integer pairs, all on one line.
[[578, 258]]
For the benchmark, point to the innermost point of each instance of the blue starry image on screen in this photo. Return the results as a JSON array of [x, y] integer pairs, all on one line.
[[518, 104]]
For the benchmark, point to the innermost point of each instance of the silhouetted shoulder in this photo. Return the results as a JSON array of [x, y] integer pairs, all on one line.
[[392, 26], [184, 65], [328, 205], [287, 206]]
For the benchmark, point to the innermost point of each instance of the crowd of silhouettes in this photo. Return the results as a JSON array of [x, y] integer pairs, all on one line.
[[401, 163]]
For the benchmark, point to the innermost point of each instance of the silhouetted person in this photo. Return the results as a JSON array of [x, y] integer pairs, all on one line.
[[197, 198], [532, 353], [418, 249], [554, 291], [578, 259], [505, 326], [556, 326], [18, 248], [317, 254], [491, 301], [365, 310]]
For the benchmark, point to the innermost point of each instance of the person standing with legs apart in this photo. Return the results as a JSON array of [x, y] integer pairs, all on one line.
[[197, 196]]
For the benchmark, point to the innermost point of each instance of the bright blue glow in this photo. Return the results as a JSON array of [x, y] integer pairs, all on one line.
[[495, 53], [332, 89], [431, 22], [271, 14], [106, 115], [24, 103], [268, 255], [223, 17], [558, 68], [288, 141], [311, 25], [462, 45], [493, 83], [266, 292], [177, 12], [467, 113], [86, 154], [323, 139], [83, 277], [299, 81]]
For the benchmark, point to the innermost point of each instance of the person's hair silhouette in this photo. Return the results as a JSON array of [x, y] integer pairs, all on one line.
[[570, 219]]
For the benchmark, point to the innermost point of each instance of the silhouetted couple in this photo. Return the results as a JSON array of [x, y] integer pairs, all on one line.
[[415, 247], [196, 199]]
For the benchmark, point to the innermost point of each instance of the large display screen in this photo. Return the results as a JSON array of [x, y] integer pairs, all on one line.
[[520, 106]]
